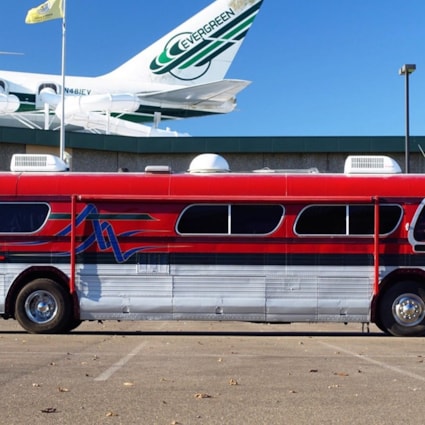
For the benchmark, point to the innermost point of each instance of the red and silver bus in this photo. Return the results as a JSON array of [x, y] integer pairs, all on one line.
[[210, 244]]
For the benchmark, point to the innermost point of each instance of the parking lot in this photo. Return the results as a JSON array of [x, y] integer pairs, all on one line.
[[210, 373]]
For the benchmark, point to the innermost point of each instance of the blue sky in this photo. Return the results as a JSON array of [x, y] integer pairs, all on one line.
[[319, 68]]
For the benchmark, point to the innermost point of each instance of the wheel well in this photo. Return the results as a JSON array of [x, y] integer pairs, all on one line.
[[31, 274], [417, 275]]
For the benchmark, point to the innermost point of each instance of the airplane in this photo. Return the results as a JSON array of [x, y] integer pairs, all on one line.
[[179, 76]]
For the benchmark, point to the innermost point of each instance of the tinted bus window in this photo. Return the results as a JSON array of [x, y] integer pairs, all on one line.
[[204, 219], [322, 220], [362, 219], [230, 219], [347, 220], [22, 217], [255, 219]]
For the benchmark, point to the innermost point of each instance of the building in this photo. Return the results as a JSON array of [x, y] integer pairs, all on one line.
[[93, 152]]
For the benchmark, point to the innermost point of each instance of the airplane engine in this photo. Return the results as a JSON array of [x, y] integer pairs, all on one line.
[[8, 102]]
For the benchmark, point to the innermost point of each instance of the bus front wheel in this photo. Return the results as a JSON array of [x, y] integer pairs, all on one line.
[[402, 309], [43, 306]]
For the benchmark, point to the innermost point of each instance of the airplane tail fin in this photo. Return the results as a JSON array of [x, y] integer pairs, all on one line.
[[198, 51]]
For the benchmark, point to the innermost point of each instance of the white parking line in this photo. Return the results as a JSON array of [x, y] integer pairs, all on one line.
[[120, 363], [375, 362]]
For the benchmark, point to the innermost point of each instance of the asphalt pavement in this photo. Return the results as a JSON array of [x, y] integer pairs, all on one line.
[[207, 373]]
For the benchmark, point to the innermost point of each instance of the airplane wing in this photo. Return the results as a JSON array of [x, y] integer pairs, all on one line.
[[218, 96]]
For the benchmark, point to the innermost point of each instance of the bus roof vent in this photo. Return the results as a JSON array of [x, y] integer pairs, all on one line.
[[158, 169], [371, 164], [37, 162], [209, 163]]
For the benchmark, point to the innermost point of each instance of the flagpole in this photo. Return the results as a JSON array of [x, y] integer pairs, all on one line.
[[62, 127]]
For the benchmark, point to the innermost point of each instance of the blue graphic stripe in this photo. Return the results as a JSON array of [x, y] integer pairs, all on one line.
[[103, 235]]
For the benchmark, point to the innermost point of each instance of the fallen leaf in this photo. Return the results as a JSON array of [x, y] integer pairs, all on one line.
[[202, 395], [49, 410], [341, 374]]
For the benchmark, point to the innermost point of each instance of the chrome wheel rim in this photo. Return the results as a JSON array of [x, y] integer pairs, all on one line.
[[408, 309], [41, 307]]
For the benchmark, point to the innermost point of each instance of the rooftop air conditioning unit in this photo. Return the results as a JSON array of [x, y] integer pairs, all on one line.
[[37, 162], [371, 164]]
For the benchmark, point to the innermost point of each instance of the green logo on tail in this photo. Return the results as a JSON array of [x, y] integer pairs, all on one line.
[[188, 56]]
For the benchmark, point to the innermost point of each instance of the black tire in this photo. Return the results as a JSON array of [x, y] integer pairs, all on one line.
[[43, 306], [71, 325], [402, 309]]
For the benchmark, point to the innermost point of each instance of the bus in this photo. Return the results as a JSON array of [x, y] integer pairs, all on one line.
[[275, 246]]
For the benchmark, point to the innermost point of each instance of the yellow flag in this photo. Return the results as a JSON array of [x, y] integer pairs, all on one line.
[[51, 9]]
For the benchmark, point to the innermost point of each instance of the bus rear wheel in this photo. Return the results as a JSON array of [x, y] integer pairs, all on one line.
[[402, 309], [43, 306]]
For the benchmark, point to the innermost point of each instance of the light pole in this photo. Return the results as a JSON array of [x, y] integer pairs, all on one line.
[[406, 70]]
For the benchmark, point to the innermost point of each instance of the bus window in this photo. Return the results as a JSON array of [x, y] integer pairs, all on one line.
[[322, 220], [362, 219], [255, 219], [230, 219], [23, 217], [347, 220], [204, 219]]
